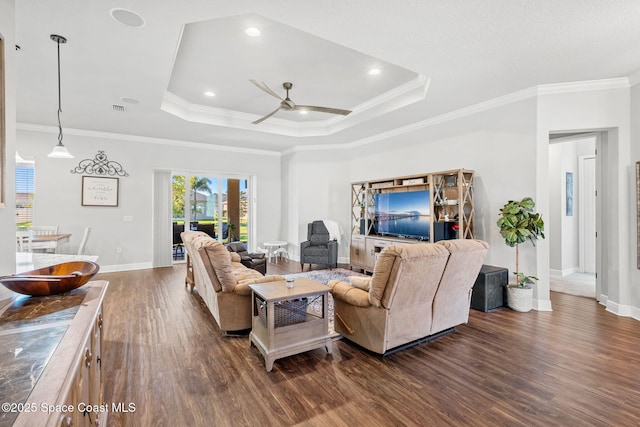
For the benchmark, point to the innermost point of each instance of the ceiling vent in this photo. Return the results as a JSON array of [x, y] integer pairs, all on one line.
[[118, 108]]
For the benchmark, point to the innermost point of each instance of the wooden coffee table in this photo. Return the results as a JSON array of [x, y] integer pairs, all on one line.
[[284, 324]]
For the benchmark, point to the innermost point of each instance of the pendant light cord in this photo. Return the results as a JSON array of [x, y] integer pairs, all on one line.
[[59, 99]]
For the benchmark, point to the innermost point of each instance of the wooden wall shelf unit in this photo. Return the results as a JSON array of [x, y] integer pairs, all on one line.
[[450, 207]]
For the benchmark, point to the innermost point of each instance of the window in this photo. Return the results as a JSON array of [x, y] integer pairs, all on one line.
[[24, 194]]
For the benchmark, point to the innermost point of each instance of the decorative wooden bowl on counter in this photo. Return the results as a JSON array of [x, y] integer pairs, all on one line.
[[51, 280]]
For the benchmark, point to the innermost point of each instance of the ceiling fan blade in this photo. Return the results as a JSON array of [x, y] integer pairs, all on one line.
[[262, 119], [265, 88], [322, 109]]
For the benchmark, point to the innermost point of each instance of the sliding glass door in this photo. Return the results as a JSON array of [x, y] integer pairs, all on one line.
[[216, 205]]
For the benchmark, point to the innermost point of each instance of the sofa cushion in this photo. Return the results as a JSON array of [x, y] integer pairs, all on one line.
[[319, 239], [360, 282], [381, 272], [242, 288], [316, 251], [218, 258], [235, 257], [349, 294]]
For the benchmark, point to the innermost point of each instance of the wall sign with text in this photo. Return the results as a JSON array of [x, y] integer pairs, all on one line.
[[98, 191]]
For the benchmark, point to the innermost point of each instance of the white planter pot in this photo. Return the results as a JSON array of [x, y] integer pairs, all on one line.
[[520, 299]]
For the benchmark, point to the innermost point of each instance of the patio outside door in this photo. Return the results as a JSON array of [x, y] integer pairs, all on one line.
[[216, 205]]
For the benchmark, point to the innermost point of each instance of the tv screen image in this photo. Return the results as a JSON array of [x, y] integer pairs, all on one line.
[[403, 214]]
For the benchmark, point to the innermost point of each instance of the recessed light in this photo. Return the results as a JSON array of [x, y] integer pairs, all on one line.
[[127, 17], [209, 93], [374, 71], [252, 32]]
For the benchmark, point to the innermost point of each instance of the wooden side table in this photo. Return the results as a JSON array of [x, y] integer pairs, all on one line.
[[283, 322]]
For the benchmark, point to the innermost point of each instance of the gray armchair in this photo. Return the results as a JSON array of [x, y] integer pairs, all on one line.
[[318, 249]]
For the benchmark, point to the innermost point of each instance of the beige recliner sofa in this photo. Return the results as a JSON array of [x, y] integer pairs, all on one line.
[[416, 291], [222, 281]]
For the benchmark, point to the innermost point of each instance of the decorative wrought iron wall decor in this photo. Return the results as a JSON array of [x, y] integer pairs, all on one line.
[[100, 165]]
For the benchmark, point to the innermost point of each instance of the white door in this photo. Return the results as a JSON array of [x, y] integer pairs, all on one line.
[[588, 215]]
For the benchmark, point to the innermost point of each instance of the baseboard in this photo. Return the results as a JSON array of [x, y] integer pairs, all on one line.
[[125, 267], [619, 309], [542, 305], [564, 272]]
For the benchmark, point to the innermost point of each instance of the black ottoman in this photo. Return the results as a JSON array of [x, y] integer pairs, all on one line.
[[488, 291]]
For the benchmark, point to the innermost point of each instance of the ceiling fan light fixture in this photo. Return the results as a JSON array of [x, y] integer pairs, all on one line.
[[287, 104], [252, 32], [59, 151], [304, 112]]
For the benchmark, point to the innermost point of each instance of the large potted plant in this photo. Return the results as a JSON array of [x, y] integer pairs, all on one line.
[[518, 223]]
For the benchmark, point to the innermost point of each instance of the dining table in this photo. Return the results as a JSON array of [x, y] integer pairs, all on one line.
[[27, 261], [49, 241]]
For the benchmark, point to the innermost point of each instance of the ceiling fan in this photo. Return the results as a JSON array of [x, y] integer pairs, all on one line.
[[288, 105]]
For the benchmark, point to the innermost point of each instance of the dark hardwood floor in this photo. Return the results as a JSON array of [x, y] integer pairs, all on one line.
[[578, 365]]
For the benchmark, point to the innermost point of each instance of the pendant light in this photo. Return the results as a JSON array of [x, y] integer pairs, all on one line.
[[59, 151]]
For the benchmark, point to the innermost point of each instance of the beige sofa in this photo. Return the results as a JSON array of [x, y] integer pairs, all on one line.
[[416, 291], [221, 280]]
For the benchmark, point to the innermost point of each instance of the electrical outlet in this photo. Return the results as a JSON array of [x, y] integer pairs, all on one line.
[[119, 250]]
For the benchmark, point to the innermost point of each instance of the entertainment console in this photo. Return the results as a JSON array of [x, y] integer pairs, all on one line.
[[409, 209]]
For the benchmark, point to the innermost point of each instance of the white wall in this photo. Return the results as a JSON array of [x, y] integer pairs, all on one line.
[[58, 192], [497, 144], [318, 187], [508, 147], [8, 213], [634, 230], [607, 110]]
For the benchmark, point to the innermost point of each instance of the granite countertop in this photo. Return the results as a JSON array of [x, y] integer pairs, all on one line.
[[30, 330]]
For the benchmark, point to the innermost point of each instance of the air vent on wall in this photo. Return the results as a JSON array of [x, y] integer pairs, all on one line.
[[118, 108]]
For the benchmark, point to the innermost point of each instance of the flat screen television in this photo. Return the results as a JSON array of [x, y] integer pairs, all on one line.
[[403, 214]]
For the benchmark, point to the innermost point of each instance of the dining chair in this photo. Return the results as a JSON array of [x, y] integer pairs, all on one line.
[[40, 230], [23, 241], [83, 242], [44, 229]]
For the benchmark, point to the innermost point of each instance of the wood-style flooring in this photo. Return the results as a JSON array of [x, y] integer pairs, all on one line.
[[578, 365]]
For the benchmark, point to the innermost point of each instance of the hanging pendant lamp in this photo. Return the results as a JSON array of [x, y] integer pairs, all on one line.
[[59, 151]]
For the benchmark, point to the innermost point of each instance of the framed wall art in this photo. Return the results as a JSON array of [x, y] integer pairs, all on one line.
[[569, 194], [99, 191]]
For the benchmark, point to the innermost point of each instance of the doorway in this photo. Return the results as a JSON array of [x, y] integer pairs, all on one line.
[[572, 213], [216, 205]]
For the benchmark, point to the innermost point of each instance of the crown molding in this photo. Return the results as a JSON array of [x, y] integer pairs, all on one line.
[[398, 97], [583, 86], [531, 92], [145, 139], [634, 78]]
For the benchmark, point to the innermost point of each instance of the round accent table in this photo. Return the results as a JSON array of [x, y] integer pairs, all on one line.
[[272, 246]]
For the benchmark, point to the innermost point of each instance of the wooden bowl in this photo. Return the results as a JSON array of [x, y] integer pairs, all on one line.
[[51, 280]]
